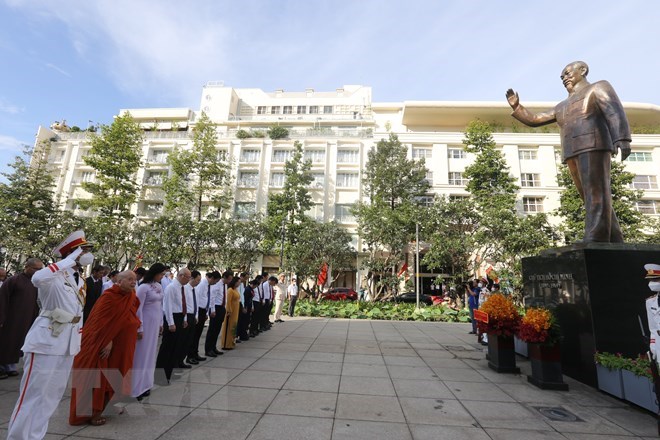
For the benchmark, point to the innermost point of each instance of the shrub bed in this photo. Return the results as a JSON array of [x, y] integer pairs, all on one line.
[[379, 310]]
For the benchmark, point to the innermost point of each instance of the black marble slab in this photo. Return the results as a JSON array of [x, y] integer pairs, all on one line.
[[598, 292]]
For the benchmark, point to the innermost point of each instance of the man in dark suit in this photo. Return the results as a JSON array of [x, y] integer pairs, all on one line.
[[93, 289], [593, 127]]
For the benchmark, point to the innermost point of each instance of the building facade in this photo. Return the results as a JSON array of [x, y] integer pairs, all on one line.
[[337, 129]]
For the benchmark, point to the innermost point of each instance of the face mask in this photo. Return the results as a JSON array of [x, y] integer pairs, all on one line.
[[654, 286], [86, 259], [480, 285]]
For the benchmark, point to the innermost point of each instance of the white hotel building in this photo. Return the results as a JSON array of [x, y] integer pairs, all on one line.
[[337, 129]]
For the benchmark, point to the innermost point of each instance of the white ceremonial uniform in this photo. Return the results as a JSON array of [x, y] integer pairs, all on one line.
[[653, 315], [280, 293], [48, 358]]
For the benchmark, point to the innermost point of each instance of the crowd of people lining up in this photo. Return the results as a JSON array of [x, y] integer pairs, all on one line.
[[120, 332], [478, 291]]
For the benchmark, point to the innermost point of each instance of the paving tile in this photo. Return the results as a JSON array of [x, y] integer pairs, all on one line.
[[312, 382], [323, 357], [592, 423], [370, 359], [215, 376], [273, 426], [364, 430], [518, 434], [364, 370], [422, 388], [407, 372], [232, 425], [505, 415], [528, 393], [398, 351], [459, 374], [266, 380], [230, 362], [445, 363], [231, 398], [181, 393], [435, 412], [632, 419], [478, 391], [310, 367], [314, 404], [435, 432], [376, 408], [281, 354], [409, 361], [281, 365], [376, 386], [327, 348], [245, 352], [286, 346]]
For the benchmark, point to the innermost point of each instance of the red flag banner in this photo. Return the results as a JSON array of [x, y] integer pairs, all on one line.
[[403, 269], [481, 316], [323, 276]]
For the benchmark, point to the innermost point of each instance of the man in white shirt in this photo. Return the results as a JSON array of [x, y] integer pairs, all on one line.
[[292, 294], [280, 294], [243, 316], [268, 289], [217, 315], [204, 304], [257, 307], [195, 279], [175, 306]]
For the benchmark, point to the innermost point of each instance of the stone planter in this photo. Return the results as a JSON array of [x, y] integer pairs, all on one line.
[[610, 381], [520, 347], [639, 390], [546, 367], [501, 354]]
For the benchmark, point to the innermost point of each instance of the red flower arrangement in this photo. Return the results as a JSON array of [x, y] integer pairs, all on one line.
[[538, 326], [503, 317]]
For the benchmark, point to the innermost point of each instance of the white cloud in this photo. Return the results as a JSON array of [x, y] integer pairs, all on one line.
[[58, 69], [10, 108], [11, 144]]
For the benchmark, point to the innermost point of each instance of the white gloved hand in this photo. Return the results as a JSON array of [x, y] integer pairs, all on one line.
[[75, 254]]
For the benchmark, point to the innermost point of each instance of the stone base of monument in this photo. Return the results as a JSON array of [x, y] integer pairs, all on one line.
[[598, 293]]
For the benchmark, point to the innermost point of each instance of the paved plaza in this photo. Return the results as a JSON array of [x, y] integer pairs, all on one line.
[[311, 378]]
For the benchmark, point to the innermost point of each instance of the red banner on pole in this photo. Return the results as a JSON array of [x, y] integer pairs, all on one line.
[[481, 316]]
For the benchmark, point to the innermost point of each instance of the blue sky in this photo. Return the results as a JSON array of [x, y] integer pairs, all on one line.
[[84, 60]]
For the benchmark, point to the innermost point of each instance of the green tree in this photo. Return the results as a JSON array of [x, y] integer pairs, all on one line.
[[237, 243], [386, 220], [624, 197], [116, 156], [286, 209], [30, 219]]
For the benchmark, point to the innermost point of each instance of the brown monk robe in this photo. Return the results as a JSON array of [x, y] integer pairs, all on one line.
[[228, 333], [106, 355]]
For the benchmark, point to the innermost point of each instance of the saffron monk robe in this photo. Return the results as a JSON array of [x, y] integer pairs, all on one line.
[[102, 368]]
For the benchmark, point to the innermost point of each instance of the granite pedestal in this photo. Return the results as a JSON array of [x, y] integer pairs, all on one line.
[[597, 291]]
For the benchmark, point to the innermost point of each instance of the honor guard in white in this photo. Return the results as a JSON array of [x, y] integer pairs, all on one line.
[[653, 308], [53, 339]]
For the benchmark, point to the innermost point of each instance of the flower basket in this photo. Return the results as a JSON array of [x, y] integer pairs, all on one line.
[[501, 355], [501, 326], [638, 384], [610, 381]]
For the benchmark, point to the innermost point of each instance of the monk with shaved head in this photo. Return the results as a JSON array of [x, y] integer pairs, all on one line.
[[102, 367]]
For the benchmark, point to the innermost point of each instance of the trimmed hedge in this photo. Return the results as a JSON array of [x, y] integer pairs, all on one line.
[[379, 310]]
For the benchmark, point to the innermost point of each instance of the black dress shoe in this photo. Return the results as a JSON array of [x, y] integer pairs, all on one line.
[[216, 351], [210, 354], [184, 366], [192, 361], [199, 358]]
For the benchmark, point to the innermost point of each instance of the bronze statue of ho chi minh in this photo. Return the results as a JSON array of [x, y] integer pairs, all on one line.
[[593, 127]]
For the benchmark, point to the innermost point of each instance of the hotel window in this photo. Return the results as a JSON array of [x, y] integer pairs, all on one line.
[[222, 155], [530, 180], [159, 156], [457, 179], [315, 212], [261, 110], [459, 198], [245, 210], [532, 205], [250, 156], [429, 177], [275, 110], [288, 109], [313, 109], [87, 176], [318, 182], [418, 153], [248, 179], [301, 110], [644, 182], [347, 180], [648, 206], [347, 156], [281, 156], [316, 156], [154, 178], [343, 214], [456, 153], [527, 154], [153, 209], [640, 156], [426, 200], [277, 180], [327, 109]]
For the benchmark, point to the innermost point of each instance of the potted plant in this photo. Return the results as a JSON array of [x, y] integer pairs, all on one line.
[[638, 383], [501, 325], [608, 370], [539, 329]]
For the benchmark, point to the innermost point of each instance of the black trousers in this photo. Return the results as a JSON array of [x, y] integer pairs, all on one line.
[[172, 345], [213, 332], [292, 304], [255, 319], [196, 334], [265, 313], [243, 322]]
